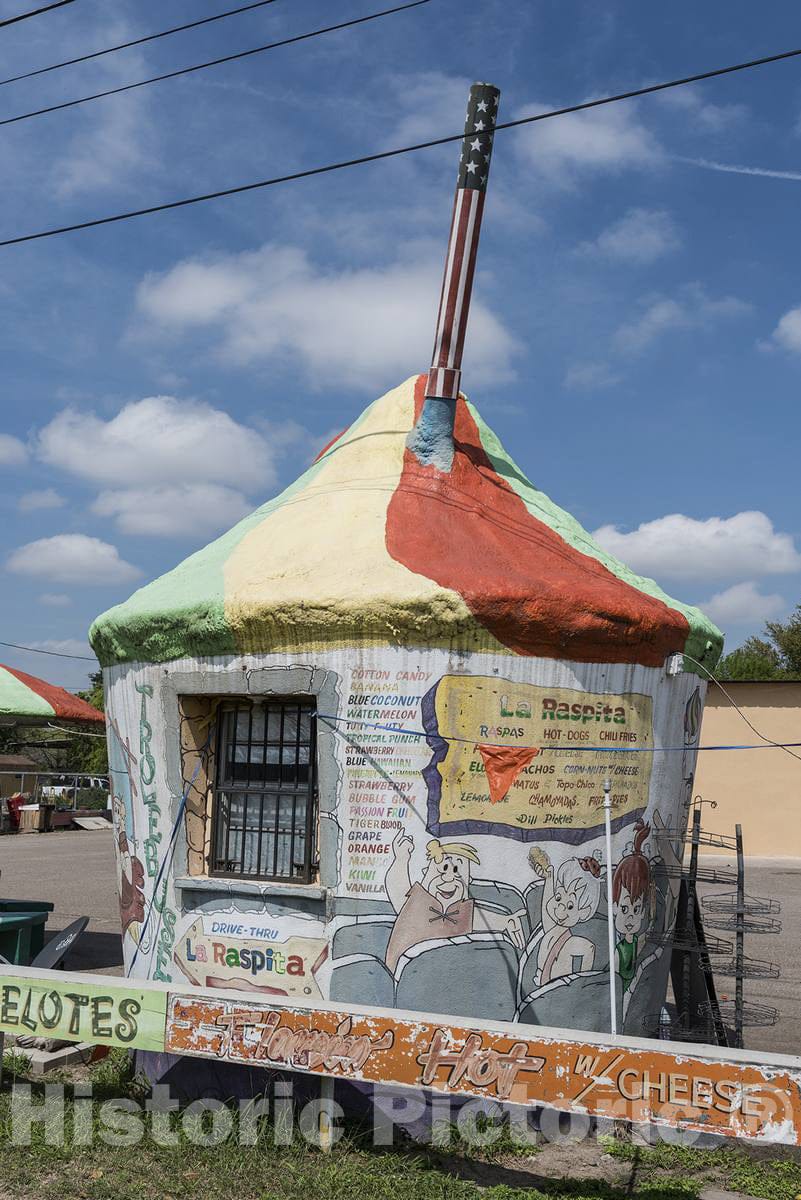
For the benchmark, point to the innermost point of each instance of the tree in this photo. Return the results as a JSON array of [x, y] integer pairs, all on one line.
[[776, 655], [88, 755]]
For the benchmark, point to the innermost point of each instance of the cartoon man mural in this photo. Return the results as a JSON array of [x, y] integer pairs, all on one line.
[[631, 896], [438, 905], [130, 871], [572, 895]]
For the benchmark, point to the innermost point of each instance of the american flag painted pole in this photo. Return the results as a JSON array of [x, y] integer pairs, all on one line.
[[432, 438]]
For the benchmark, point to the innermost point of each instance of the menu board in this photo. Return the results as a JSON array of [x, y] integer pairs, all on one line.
[[386, 754], [514, 759]]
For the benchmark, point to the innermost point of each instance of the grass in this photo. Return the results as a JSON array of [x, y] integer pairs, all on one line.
[[15, 1063], [354, 1170], [768, 1173]]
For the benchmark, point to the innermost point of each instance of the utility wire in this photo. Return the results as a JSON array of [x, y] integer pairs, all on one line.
[[739, 711], [52, 653], [605, 749], [214, 62], [35, 12], [379, 156], [75, 733], [150, 37]]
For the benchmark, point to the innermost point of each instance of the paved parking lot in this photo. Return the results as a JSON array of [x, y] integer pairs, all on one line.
[[76, 871]]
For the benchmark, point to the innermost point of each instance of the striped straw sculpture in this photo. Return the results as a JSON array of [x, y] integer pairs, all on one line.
[[432, 438]]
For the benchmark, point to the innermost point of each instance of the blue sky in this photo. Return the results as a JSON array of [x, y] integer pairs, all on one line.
[[636, 331]]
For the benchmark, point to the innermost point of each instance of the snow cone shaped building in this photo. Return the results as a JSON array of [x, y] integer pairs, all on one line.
[[358, 744]]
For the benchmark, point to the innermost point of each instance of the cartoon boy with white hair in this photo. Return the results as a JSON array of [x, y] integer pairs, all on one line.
[[572, 895], [438, 906]]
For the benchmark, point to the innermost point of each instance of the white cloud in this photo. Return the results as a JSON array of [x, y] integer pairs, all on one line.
[[109, 148], [34, 501], [704, 117], [716, 548], [55, 599], [787, 334], [709, 164], [692, 308], [12, 451], [111, 141], [363, 328], [742, 604], [659, 317], [173, 511], [71, 558], [609, 139], [590, 376], [155, 439], [430, 102], [641, 236], [423, 105]]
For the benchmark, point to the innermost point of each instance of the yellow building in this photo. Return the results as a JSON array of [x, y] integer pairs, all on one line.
[[760, 789]]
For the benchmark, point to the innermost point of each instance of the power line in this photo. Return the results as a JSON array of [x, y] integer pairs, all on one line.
[[215, 62], [52, 653], [150, 37], [767, 744], [739, 711], [384, 154], [34, 12]]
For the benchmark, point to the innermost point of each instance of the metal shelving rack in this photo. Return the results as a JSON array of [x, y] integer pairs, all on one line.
[[699, 1015], [738, 913]]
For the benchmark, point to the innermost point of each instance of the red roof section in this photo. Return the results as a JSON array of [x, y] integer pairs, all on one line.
[[65, 706], [470, 532]]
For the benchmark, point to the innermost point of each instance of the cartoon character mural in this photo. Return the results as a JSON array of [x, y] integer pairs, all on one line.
[[693, 714], [130, 871], [438, 905], [571, 896], [631, 896]]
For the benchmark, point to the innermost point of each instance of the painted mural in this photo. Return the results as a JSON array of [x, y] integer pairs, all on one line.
[[464, 916], [147, 917], [130, 871]]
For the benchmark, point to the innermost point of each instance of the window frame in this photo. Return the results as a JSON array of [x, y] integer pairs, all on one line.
[[232, 706]]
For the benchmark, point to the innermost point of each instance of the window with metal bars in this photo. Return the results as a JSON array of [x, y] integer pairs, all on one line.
[[264, 824]]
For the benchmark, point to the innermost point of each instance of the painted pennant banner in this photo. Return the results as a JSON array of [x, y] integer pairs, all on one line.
[[732, 1092]]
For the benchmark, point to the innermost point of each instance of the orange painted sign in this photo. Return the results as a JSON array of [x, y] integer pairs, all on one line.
[[635, 1080], [705, 1088]]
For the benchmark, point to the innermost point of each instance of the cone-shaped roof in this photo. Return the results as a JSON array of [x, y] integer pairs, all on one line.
[[368, 547], [28, 699]]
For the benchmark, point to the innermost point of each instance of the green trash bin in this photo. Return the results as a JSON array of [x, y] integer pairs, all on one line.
[[29, 906], [21, 936]]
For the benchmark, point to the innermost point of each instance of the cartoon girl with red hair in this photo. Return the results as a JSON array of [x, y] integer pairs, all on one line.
[[631, 893]]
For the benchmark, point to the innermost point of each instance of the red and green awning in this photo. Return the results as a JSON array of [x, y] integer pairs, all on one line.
[[25, 698]]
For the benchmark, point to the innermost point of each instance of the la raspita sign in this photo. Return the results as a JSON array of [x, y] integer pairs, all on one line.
[[732, 1092]]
